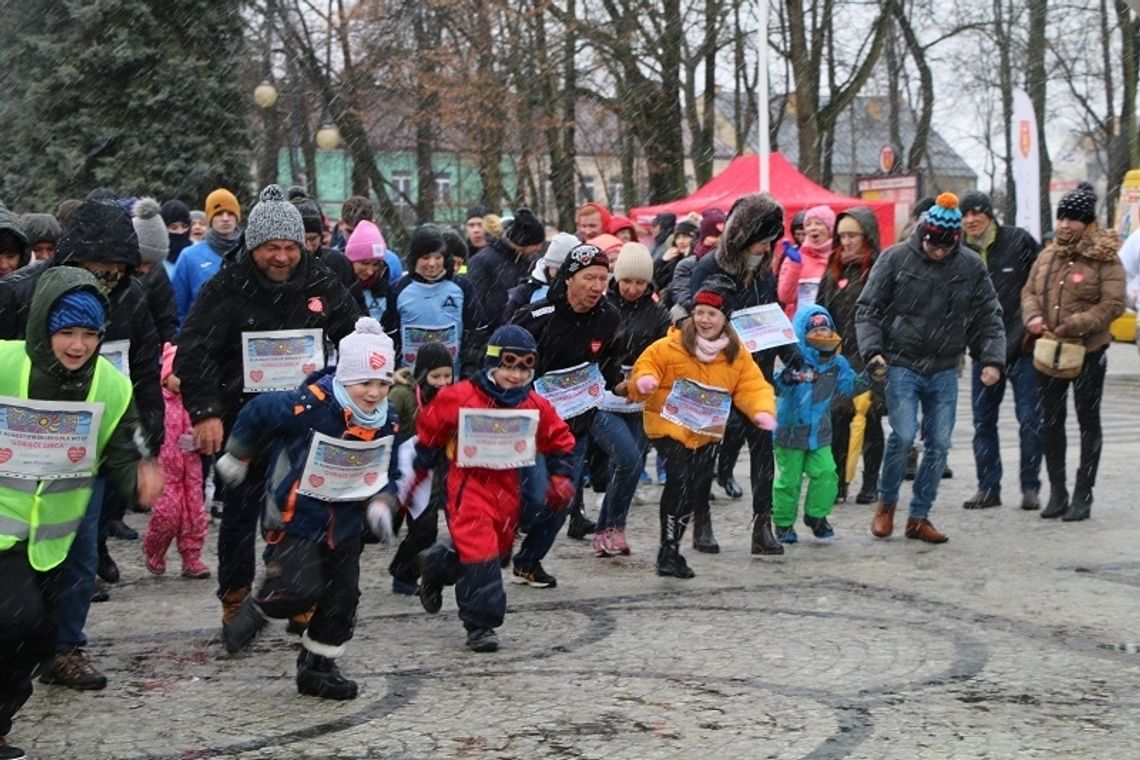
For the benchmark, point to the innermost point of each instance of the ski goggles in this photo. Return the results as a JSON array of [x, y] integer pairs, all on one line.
[[509, 359]]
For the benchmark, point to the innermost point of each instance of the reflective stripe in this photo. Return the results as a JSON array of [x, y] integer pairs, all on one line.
[[63, 485], [58, 530], [23, 485], [14, 528]]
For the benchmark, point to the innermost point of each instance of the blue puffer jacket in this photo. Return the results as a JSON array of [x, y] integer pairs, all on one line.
[[803, 410], [290, 417]]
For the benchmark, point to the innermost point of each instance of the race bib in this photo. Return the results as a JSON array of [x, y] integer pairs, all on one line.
[[48, 440], [339, 470], [413, 336], [700, 408], [572, 391], [497, 439], [280, 360], [617, 404], [761, 327], [808, 291], [118, 352]]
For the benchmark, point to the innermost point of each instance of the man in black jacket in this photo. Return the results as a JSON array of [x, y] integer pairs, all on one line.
[[926, 301], [274, 288], [744, 255], [504, 263], [1009, 253], [573, 325]]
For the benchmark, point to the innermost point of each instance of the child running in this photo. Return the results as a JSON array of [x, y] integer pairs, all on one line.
[[332, 456], [492, 426], [688, 381], [180, 513]]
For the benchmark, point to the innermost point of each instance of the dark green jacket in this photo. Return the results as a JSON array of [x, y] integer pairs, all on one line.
[[50, 381]]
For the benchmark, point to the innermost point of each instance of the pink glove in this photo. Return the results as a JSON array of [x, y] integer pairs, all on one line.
[[559, 494], [646, 384], [764, 420]]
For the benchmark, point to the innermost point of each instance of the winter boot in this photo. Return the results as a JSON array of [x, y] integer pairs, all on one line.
[[243, 626], [319, 676], [482, 640], [1080, 506], [841, 494], [869, 493], [299, 623], [231, 603], [670, 563], [9, 752], [192, 567], [1058, 502], [579, 526], [106, 569], [73, 670], [820, 527], [703, 539], [763, 540]]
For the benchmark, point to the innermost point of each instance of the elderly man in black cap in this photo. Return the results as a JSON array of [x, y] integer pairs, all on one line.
[[1009, 253]]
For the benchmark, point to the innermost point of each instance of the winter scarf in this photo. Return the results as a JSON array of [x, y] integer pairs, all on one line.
[[221, 243], [371, 421], [708, 350], [509, 397]]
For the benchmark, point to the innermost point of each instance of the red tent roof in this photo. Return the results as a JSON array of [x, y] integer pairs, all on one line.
[[794, 191]]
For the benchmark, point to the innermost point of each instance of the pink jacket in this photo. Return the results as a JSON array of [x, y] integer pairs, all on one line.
[[812, 266]]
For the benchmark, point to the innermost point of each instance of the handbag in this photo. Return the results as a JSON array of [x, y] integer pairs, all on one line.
[[1058, 357]]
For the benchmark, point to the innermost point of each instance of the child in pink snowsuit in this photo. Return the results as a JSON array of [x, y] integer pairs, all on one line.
[[180, 512]]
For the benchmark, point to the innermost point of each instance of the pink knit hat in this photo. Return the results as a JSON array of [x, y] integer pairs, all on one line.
[[168, 351], [821, 214], [365, 243]]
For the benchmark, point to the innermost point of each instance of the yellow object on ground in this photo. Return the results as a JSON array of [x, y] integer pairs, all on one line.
[[862, 404]]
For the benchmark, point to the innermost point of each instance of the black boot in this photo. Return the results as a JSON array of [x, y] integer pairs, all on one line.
[[763, 540], [670, 563], [319, 677], [1058, 502], [579, 526], [107, 569], [1080, 506], [731, 488], [242, 628], [703, 539], [841, 494]]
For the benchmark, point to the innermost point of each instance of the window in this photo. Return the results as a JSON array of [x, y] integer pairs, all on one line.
[[402, 187], [616, 194], [443, 188], [585, 189]]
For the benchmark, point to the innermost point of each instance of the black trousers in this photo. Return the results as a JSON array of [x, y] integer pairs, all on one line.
[[28, 620], [479, 589], [300, 573], [689, 475], [422, 531], [873, 443], [1088, 388], [237, 534], [762, 465]]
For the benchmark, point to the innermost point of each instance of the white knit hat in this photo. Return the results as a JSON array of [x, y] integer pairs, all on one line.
[[366, 354], [154, 240], [634, 263], [559, 246]]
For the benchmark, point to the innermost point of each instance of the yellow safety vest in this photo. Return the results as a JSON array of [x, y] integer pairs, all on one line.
[[47, 513]]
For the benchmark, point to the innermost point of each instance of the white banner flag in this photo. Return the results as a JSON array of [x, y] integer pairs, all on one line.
[[1026, 164]]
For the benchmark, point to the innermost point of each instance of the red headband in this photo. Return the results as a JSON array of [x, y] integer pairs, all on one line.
[[709, 298]]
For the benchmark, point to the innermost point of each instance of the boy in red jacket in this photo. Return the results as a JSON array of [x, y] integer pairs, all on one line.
[[491, 426]]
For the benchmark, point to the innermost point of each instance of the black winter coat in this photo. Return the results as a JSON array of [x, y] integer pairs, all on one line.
[[240, 299], [160, 301], [1009, 259], [492, 273], [339, 264], [643, 322]]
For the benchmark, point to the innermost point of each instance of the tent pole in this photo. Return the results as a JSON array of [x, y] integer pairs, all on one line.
[[762, 99]]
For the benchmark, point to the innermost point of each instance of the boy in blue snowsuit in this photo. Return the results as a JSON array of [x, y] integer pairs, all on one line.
[[312, 527], [803, 426]]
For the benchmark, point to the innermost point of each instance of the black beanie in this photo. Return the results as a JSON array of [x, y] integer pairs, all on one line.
[[427, 238], [175, 210], [1079, 204], [717, 291], [99, 231], [311, 214], [976, 200], [525, 229], [476, 211], [431, 356]]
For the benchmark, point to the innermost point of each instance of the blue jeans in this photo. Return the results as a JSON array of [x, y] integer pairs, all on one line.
[[540, 525], [937, 395], [79, 576], [622, 437], [986, 402]]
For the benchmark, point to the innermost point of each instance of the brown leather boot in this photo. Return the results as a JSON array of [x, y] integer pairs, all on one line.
[[883, 523], [231, 603], [764, 542], [923, 530]]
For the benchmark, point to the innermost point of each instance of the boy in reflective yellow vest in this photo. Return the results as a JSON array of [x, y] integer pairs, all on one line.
[[42, 500]]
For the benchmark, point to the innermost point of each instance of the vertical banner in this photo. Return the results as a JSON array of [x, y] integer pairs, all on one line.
[[1026, 164]]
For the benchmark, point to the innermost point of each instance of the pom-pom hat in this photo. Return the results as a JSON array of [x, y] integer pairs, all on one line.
[[1078, 204], [366, 354], [154, 240], [942, 225], [274, 218]]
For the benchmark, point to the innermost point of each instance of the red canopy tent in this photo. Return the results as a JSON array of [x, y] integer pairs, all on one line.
[[794, 191]]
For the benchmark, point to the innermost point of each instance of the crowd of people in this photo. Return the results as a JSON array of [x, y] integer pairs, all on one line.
[[324, 392]]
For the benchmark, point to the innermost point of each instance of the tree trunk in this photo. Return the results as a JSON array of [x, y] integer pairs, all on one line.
[[1035, 85], [427, 37], [1005, 82]]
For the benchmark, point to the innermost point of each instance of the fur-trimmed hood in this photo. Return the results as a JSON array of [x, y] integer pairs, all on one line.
[[1097, 244], [751, 215]]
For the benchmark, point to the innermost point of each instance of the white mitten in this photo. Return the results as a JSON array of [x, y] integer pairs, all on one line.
[[231, 470], [379, 516]]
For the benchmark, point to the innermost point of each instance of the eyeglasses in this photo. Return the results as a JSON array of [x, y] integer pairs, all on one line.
[[511, 360]]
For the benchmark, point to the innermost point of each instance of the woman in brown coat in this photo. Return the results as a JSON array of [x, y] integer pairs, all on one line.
[[1075, 290]]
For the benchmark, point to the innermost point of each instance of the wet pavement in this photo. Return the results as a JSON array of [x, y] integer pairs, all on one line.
[[1018, 638]]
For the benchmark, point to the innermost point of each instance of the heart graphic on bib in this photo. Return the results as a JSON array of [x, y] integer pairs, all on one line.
[[750, 345], [256, 375], [520, 446], [470, 450], [594, 389], [316, 481], [671, 408], [5, 455], [370, 478], [309, 368], [76, 453], [409, 358]]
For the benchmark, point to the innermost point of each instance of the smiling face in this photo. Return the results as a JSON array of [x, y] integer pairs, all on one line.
[[975, 223], [816, 231], [366, 270], [277, 259], [709, 321], [74, 346], [440, 377], [430, 267], [368, 395], [589, 224]]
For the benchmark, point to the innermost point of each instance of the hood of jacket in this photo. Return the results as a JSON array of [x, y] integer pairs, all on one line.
[[8, 224], [1096, 244], [867, 221], [800, 325], [731, 254], [52, 285]]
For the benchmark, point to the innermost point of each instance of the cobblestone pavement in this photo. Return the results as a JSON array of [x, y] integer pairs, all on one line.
[[1018, 638]]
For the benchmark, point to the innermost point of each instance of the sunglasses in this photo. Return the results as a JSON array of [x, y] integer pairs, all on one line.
[[511, 360]]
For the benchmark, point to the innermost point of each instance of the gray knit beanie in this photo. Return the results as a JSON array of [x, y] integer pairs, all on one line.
[[273, 218], [154, 240]]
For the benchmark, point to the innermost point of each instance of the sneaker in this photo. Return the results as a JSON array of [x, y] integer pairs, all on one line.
[[786, 534], [482, 640], [579, 526], [534, 576], [820, 527], [120, 530], [100, 594], [8, 752], [405, 588], [73, 670], [192, 568], [156, 565], [603, 544], [645, 479], [617, 540]]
